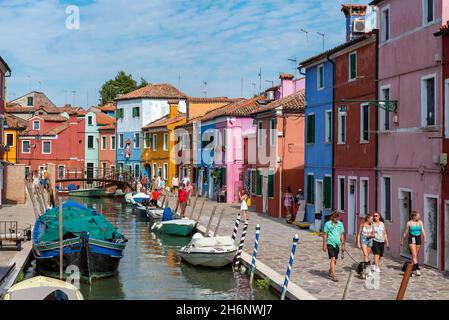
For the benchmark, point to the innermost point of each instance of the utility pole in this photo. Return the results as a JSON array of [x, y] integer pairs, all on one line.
[[205, 88], [321, 34], [254, 86], [241, 88], [260, 80], [270, 81]]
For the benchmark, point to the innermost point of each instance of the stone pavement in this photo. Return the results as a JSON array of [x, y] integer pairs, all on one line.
[[312, 264]]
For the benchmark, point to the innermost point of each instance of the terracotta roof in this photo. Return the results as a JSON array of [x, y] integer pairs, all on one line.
[[165, 121], [71, 110], [59, 129], [286, 76], [242, 108], [329, 52], [444, 29], [14, 122], [153, 91], [107, 127], [351, 9], [103, 119], [275, 88], [52, 118], [212, 99], [294, 102], [107, 107]]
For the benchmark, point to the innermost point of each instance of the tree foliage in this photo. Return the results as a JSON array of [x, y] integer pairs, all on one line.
[[122, 84]]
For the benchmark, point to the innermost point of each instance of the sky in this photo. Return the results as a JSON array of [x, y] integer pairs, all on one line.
[[182, 42]]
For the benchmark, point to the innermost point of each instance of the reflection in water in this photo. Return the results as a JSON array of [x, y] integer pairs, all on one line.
[[152, 268]]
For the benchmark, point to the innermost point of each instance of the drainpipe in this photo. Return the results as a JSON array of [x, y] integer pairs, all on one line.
[[333, 134], [376, 177]]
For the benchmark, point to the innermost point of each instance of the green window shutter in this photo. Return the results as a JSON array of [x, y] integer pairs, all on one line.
[[259, 183], [311, 128], [327, 192], [271, 185], [134, 112], [353, 65]]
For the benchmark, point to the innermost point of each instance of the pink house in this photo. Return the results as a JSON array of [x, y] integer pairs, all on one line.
[[410, 131]]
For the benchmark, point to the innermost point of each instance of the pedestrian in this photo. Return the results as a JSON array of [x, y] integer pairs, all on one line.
[[380, 240], [182, 196], [154, 197], [365, 238], [416, 235], [36, 181], [175, 183], [189, 190], [144, 182], [162, 183], [333, 242], [244, 196], [288, 204], [186, 180], [299, 205], [158, 182]]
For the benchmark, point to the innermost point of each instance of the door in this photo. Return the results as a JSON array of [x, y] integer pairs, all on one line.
[[319, 197], [89, 170], [405, 209], [446, 235], [352, 206], [200, 182], [265, 192], [431, 225]]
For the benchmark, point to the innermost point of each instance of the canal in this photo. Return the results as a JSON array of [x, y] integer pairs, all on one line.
[[151, 268]]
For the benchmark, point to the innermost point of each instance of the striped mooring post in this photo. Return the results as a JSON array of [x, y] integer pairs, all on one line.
[[289, 269], [253, 261], [236, 227], [242, 241]]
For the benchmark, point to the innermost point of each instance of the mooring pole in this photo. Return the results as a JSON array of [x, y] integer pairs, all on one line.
[[194, 206], [289, 269], [242, 241], [61, 249], [253, 261], [236, 227], [210, 220], [33, 200], [202, 208], [219, 222], [404, 283]]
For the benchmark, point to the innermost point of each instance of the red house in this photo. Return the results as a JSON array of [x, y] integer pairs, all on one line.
[[53, 139]]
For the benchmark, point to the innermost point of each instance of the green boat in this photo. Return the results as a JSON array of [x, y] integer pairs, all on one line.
[[94, 192], [177, 227]]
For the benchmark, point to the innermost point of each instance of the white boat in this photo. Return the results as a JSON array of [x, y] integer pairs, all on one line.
[[139, 197], [43, 288], [155, 213], [215, 252], [129, 198], [176, 227]]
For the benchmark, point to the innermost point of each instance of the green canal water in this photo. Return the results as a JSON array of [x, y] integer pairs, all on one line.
[[151, 268]]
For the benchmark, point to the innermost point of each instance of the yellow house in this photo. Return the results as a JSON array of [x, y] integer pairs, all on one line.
[[158, 153], [12, 126]]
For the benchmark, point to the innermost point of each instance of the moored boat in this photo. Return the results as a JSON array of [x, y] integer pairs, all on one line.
[[93, 192], [90, 242], [177, 227]]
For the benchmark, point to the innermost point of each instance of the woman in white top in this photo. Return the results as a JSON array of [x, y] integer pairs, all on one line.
[[380, 240], [365, 238], [243, 195]]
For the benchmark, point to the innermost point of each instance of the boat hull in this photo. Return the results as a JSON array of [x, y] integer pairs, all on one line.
[[177, 230], [210, 260], [88, 193]]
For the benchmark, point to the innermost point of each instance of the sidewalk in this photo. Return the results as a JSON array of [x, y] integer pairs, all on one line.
[[311, 264]]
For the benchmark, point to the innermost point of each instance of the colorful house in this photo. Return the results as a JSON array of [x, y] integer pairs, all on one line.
[[135, 110], [355, 129], [5, 71], [108, 109], [12, 127], [107, 145], [159, 152], [410, 129]]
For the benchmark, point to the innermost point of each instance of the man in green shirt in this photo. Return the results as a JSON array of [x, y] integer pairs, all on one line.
[[333, 240]]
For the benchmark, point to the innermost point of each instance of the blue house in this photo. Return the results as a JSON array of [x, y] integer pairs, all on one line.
[[206, 135], [319, 72]]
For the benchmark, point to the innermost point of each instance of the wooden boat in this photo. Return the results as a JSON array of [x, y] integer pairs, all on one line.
[[43, 288], [216, 252], [94, 192], [90, 242], [177, 227]]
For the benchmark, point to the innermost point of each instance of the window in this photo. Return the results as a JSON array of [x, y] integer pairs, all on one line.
[[165, 171], [27, 171], [273, 129], [341, 127], [259, 133], [136, 169], [386, 198], [311, 128], [270, 184], [26, 146], [104, 168], [353, 66], [136, 112], [46, 147], [121, 141], [154, 142], [136, 140], [103, 143], [384, 113], [328, 126], [428, 101], [90, 120], [120, 113], [364, 123], [327, 192], [259, 183], [90, 142], [385, 24], [253, 183], [154, 170], [30, 101], [61, 171], [121, 167], [310, 189], [159, 172], [341, 194], [10, 139], [147, 140], [36, 125], [320, 77], [165, 141], [112, 142], [429, 11], [364, 196]]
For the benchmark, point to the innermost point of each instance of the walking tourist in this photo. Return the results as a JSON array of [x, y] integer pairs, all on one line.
[[416, 235], [333, 241], [288, 204], [365, 238], [189, 190], [154, 197], [243, 196], [380, 240], [36, 181], [144, 182], [182, 196], [299, 206], [175, 183]]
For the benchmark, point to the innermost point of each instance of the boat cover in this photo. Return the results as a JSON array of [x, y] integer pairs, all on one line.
[[141, 196], [212, 242]]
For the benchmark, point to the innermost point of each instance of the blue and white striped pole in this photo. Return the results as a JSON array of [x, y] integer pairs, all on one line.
[[253, 262], [236, 227], [289, 269], [242, 241]]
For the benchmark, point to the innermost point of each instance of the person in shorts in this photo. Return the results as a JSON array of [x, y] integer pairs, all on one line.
[[415, 233], [333, 241], [365, 238], [380, 240]]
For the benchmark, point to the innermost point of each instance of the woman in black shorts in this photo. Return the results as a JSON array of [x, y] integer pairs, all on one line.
[[380, 240], [416, 234]]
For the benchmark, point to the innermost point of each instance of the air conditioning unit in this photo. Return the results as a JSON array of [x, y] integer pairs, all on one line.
[[359, 26]]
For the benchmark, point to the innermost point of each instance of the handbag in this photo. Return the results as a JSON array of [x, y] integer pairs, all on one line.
[[248, 202]]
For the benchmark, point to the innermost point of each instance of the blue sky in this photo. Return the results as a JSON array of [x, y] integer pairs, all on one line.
[[217, 41]]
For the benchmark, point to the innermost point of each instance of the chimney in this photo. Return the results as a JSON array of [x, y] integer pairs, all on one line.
[[173, 103], [287, 84], [353, 13]]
